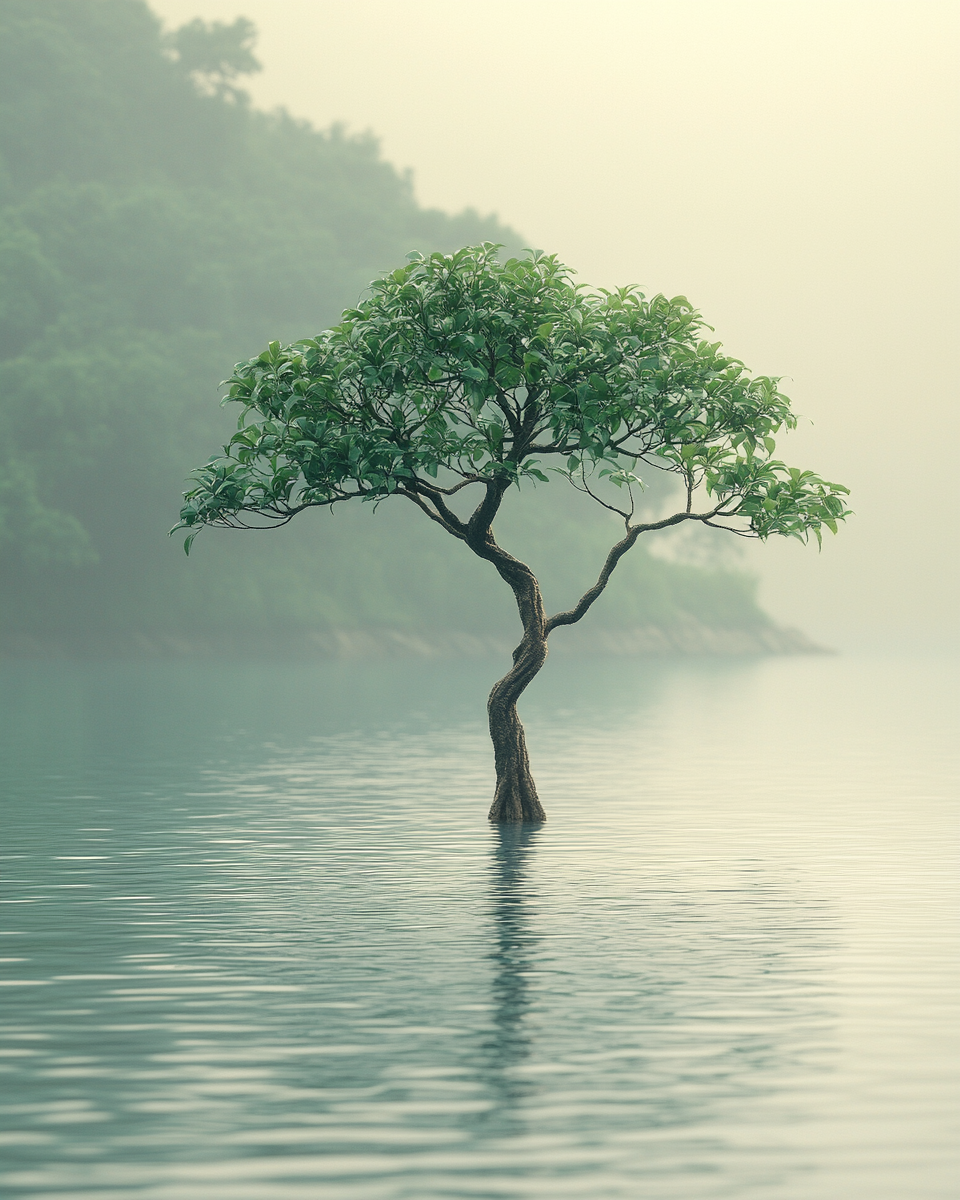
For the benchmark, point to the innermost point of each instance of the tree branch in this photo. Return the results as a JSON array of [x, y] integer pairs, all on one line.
[[454, 526], [477, 529], [432, 487], [585, 488], [571, 616]]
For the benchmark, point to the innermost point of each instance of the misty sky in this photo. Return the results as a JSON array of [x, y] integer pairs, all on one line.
[[789, 165]]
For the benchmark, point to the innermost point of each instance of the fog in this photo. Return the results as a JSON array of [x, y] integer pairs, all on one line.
[[791, 167], [267, 942]]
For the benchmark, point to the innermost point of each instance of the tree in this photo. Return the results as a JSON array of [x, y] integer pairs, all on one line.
[[462, 376], [215, 55]]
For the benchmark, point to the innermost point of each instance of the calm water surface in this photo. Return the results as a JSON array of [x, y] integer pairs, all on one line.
[[259, 941]]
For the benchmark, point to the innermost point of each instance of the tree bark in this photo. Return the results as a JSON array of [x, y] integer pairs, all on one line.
[[515, 798]]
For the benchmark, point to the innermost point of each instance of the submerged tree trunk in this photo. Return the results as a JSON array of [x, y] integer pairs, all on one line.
[[515, 798]]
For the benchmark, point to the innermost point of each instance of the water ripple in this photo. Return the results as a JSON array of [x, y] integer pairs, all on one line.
[[296, 962]]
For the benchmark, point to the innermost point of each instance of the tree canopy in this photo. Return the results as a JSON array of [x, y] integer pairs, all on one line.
[[460, 370]]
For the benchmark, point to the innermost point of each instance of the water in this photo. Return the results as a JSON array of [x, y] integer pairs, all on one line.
[[259, 941]]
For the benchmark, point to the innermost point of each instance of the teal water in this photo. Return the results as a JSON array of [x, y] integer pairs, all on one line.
[[260, 942]]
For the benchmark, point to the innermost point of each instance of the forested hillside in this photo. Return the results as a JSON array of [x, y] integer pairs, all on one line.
[[154, 229]]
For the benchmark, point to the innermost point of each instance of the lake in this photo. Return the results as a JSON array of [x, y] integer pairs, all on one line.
[[260, 943]]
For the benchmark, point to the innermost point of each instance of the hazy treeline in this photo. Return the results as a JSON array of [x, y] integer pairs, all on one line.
[[154, 229]]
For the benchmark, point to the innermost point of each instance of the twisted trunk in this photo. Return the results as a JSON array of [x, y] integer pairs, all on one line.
[[515, 797]]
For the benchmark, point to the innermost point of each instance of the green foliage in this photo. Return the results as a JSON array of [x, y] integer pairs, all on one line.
[[463, 369], [151, 229], [49, 536], [214, 55], [154, 228]]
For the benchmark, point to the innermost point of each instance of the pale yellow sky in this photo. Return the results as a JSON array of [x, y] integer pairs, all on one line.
[[790, 165]]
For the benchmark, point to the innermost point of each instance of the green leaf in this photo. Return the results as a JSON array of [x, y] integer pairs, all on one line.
[[353, 412]]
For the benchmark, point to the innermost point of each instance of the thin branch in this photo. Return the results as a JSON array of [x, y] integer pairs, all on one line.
[[585, 488], [448, 517], [745, 533], [511, 412], [434, 516], [571, 616], [432, 487], [553, 448], [234, 521], [633, 500]]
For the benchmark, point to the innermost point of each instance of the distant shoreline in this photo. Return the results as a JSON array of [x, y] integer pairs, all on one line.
[[685, 638]]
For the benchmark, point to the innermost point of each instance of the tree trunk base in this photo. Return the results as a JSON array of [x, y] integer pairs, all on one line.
[[517, 804], [515, 799], [516, 808]]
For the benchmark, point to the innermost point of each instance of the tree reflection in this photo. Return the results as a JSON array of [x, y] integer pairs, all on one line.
[[513, 950]]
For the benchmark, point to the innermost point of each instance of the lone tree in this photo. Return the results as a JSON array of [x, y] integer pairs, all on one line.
[[461, 373]]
